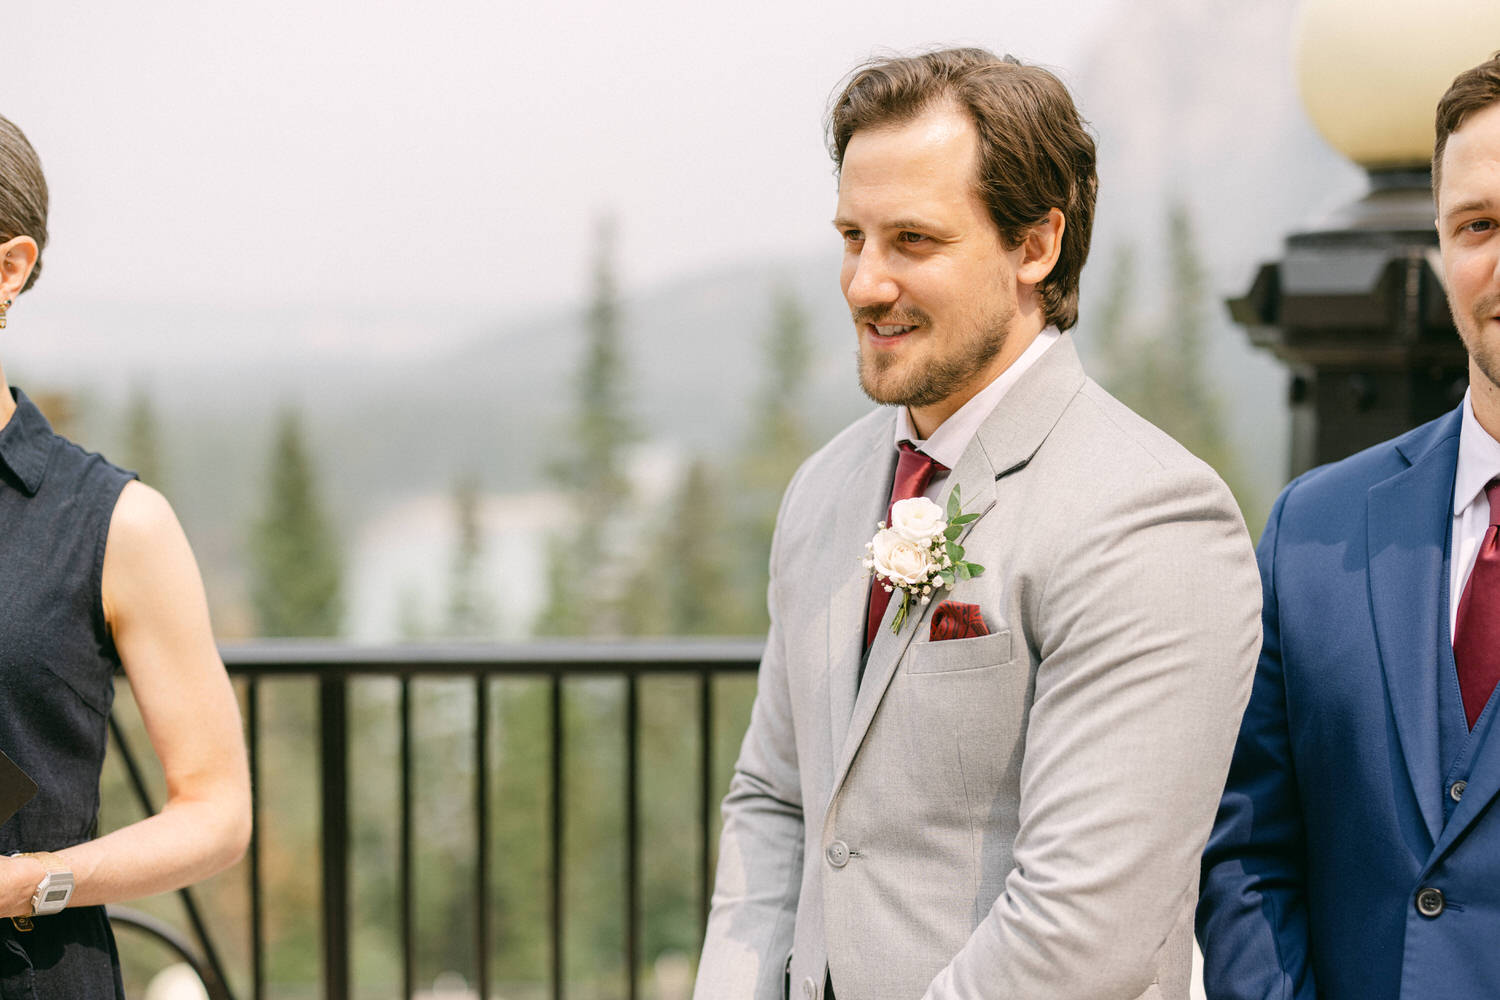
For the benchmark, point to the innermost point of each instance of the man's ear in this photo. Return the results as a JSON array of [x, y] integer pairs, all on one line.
[[17, 258], [1040, 249]]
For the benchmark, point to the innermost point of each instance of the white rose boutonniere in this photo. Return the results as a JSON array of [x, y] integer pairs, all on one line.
[[918, 552], [917, 520], [900, 559]]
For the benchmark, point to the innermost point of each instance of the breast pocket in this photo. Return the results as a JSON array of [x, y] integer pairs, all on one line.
[[959, 654]]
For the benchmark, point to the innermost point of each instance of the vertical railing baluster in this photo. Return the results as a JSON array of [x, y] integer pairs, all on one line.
[[632, 836], [705, 794], [257, 914], [482, 831], [334, 747], [558, 991], [408, 929]]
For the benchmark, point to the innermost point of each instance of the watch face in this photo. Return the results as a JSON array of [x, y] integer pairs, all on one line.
[[55, 895]]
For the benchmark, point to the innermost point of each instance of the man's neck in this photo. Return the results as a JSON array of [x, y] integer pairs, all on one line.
[[925, 420]]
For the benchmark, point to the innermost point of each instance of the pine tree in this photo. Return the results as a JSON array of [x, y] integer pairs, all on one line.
[[470, 613], [591, 470], [295, 558], [776, 444], [685, 582], [1112, 332], [1164, 375], [142, 445]]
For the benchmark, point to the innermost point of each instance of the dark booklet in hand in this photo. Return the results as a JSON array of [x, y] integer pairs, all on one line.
[[16, 787]]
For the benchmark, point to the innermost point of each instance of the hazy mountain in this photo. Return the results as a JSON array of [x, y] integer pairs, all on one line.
[[1191, 100]]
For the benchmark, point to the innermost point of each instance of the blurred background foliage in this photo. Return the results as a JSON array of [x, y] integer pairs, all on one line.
[[690, 561], [474, 469]]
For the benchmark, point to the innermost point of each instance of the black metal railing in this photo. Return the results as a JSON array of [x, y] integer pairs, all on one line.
[[335, 665]]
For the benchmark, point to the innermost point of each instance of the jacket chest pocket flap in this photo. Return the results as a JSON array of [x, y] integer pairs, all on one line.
[[959, 654]]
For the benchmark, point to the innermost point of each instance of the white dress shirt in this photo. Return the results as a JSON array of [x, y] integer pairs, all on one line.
[[953, 435], [1478, 463]]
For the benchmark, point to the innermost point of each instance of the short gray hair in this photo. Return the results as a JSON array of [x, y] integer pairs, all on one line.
[[23, 192]]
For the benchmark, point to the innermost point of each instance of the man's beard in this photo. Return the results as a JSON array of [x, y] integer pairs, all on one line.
[[936, 378], [1483, 353]]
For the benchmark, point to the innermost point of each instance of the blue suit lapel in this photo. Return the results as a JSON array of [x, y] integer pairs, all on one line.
[[1409, 518]]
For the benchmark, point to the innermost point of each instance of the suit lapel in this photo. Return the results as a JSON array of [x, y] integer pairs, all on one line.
[[1483, 781], [976, 483], [868, 488], [1003, 445], [1408, 525]]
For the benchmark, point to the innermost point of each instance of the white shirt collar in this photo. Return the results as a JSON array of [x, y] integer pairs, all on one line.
[[953, 435], [1478, 460]]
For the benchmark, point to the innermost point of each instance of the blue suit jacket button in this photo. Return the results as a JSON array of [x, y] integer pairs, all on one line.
[[1430, 902]]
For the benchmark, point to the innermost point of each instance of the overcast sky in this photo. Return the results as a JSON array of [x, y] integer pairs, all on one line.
[[453, 151]]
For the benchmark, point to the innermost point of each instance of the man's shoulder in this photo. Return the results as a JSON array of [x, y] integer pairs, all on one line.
[[1349, 479], [1125, 434], [860, 442], [1119, 450]]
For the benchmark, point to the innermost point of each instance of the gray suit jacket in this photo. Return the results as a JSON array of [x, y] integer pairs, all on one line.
[[1014, 816]]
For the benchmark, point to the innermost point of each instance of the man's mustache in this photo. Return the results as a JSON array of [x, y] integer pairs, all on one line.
[[890, 315]]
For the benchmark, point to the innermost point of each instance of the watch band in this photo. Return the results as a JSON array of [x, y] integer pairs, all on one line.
[[56, 887]]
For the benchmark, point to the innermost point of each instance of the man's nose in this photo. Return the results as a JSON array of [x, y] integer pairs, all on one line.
[[872, 282]]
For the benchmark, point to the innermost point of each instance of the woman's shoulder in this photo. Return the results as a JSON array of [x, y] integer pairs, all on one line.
[[59, 465]]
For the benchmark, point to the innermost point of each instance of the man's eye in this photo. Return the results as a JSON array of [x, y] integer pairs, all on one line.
[[910, 237], [853, 236], [1478, 226]]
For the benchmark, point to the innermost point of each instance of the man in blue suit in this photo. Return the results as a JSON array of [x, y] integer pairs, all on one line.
[[1356, 853]]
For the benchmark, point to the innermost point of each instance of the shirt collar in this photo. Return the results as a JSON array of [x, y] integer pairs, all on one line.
[[1478, 459], [953, 435], [26, 443]]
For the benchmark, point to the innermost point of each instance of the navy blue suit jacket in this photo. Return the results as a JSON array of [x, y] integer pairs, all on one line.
[[1333, 817]]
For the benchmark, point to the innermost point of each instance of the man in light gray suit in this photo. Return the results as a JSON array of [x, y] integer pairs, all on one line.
[[1007, 795]]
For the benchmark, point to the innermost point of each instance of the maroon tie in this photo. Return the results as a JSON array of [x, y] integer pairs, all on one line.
[[1476, 639], [913, 472]]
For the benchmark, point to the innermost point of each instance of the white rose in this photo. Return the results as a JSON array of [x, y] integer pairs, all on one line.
[[918, 519], [900, 560]]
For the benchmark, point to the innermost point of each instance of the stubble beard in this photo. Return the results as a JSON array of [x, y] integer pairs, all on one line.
[[932, 379], [1485, 354]]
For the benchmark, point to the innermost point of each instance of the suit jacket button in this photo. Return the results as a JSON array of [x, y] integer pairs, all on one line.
[[1456, 790], [809, 988], [838, 854], [1430, 902]]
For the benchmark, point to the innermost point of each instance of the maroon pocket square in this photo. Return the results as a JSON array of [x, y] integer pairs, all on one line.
[[956, 620]]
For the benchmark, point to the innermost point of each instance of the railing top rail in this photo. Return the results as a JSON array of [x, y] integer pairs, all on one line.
[[288, 657]]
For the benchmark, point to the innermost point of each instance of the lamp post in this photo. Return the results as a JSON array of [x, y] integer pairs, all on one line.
[[1355, 307]]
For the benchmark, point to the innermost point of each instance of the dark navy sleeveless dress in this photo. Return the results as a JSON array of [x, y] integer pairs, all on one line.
[[57, 666]]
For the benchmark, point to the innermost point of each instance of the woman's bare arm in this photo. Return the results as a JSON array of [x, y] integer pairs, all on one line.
[[158, 614]]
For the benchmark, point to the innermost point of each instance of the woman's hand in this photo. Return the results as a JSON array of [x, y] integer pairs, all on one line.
[[19, 877]]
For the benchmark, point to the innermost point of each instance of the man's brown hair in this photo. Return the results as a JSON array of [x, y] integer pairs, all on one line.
[[1035, 153], [1472, 90], [23, 193]]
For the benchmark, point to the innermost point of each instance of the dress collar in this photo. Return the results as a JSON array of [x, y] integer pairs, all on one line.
[[26, 443]]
